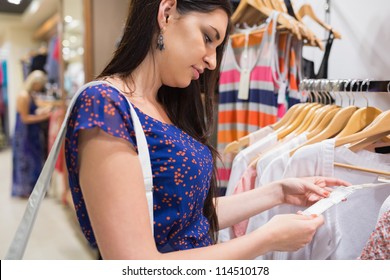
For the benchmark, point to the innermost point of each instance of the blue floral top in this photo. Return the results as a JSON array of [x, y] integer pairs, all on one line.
[[181, 166]]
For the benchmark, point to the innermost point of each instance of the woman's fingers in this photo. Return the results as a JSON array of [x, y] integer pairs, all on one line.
[[329, 181], [318, 190]]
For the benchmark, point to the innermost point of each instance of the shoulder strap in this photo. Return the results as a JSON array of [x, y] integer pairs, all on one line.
[[19, 242]]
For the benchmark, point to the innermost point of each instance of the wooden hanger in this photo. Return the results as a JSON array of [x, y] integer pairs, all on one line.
[[296, 122], [313, 116], [379, 126], [372, 133], [314, 113], [235, 146], [360, 145], [303, 29], [337, 122], [363, 169], [242, 142], [254, 11], [290, 115], [308, 119], [307, 10], [361, 118], [324, 122], [250, 12]]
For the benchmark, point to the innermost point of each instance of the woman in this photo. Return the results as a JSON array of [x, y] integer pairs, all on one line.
[[28, 143], [166, 47]]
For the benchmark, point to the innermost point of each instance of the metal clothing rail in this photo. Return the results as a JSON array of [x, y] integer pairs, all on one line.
[[345, 85]]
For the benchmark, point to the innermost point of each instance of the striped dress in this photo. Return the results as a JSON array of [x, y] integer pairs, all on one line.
[[245, 107]]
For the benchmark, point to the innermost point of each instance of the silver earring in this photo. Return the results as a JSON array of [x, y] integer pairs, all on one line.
[[160, 42]]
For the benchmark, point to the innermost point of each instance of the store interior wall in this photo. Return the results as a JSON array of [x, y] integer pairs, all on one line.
[[362, 53], [108, 22], [17, 43]]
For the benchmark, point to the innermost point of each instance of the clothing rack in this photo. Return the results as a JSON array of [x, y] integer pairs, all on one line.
[[345, 85]]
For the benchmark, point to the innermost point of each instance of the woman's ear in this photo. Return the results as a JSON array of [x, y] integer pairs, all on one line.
[[166, 9]]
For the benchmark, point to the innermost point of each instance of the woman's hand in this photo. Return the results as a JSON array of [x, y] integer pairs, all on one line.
[[291, 232], [43, 110], [308, 190]]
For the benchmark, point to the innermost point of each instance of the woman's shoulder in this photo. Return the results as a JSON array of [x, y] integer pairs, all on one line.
[[24, 94], [101, 91]]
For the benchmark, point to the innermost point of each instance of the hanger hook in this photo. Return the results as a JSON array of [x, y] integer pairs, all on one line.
[[345, 90], [317, 86], [309, 90], [312, 90], [325, 84], [366, 81], [351, 91], [329, 90], [323, 90], [336, 84]]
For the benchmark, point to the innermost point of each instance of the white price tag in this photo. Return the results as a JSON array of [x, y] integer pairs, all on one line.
[[336, 197], [243, 91]]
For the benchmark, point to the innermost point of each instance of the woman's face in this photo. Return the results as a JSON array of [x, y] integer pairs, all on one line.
[[190, 46]]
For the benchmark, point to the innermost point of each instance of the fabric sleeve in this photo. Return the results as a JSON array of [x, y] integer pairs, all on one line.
[[104, 107]]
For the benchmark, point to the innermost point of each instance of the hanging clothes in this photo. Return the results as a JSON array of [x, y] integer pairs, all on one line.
[[290, 9], [347, 226], [55, 121], [52, 63], [308, 65], [4, 131], [378, 245], [262, 162], [28, 155], [294, 95], [38, 62], [283, 45], [2, 97], [247, 99]]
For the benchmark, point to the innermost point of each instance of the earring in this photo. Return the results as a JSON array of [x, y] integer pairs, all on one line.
[[160, 42]]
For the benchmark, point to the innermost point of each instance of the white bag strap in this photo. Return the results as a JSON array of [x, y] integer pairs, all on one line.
[[22, 235]]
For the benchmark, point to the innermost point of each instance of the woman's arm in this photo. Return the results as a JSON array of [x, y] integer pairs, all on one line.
[[23, 107], [235, 208], [114, 193]]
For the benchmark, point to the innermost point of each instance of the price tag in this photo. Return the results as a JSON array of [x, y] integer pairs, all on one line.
[[243, 91]]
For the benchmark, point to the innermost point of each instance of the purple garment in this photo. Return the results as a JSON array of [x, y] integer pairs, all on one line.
[[28, 155]]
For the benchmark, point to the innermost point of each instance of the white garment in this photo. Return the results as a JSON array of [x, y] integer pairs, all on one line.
[[240, 164], [358, 216], [270, 168], [278, 157], [244, 158], [260, 134], [347, 225]]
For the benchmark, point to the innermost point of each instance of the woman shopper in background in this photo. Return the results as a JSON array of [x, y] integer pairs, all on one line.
[[166, 47], [28, 142]]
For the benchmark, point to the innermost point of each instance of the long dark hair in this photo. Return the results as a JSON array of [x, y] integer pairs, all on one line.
[[183, 105]]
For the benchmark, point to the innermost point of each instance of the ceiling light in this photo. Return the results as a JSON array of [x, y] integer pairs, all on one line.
[[16, 2]]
